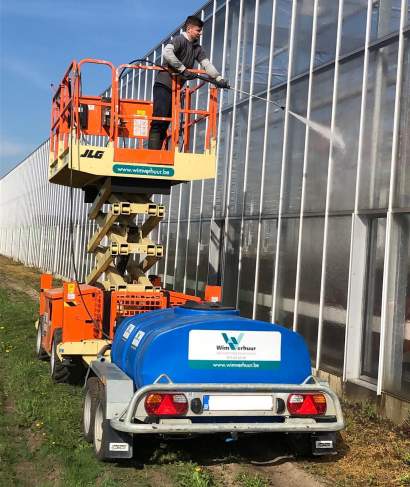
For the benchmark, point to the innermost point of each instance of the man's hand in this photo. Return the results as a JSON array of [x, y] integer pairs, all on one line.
[[187, 75], [221, 83]]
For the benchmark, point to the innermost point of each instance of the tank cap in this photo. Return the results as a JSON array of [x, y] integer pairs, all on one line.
[[207, 306]]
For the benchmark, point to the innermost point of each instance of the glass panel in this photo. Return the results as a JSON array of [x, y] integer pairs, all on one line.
[[287, 272], [231, 48], [354, 25], [252, 195], [203, 257], [336, 288], [230, 268], [191, 267], [245, 62], [318, 150], [388, 18], [185, 203], [263, 45], [343, 183], [375, 267], [326, 31], [196, 199], [217, 62], [310, 278], [397, 377], [215, 250], [223, 163], [247, 275], [303, 37], [295, 148], [174, 204], [238, 160], [163, 228], [281, 41], [266, 269], [170, 251], [181, 256], [218, 39], [403, 167], [274, 157], [378, 130]]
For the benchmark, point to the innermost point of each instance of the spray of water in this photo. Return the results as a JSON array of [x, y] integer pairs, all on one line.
[[335, 136]]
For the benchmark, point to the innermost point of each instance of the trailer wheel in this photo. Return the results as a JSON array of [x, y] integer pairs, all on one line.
[[59, 372], [100, 437], [41, 353], [89, 407]]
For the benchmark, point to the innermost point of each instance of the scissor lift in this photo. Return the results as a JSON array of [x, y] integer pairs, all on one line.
[[99, 144]]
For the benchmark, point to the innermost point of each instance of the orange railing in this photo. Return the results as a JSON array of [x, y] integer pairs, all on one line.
[[117, 119]]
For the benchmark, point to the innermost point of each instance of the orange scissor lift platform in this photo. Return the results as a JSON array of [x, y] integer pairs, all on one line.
[[99, 144]]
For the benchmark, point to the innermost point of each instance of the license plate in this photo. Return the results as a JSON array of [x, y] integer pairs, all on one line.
[[237, 403]]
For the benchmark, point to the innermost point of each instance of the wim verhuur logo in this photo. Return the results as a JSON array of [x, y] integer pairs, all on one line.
[[233, 342]]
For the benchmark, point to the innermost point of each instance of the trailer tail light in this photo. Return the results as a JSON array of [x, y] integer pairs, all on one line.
[[164, 404], [306, 404]]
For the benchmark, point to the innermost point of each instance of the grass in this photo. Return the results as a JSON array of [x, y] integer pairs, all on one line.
[[40, 438], [245, 479]]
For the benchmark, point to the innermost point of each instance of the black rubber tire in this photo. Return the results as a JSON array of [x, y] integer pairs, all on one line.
[[100, 440], [89, 407], [59, 373], [40, 351]]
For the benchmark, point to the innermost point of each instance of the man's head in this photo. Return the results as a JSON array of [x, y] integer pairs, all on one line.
[[193, 27]]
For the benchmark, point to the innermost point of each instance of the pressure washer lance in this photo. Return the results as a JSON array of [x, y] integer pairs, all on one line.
[[209, 80]]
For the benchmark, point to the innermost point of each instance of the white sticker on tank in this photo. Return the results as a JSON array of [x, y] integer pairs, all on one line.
[[228, 349], [137, 339], [128, 331]]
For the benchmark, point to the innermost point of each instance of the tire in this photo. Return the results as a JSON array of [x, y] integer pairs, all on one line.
[[89, 407], [59, 373], [100, 439], [40, 351]]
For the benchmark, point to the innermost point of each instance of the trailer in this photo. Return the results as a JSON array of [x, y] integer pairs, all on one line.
[[202, 369]]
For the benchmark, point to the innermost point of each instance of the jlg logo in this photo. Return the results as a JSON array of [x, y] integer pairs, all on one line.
[[93, 154]]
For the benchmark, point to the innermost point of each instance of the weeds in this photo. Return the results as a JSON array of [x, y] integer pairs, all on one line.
[[247, 480], [194, 476]]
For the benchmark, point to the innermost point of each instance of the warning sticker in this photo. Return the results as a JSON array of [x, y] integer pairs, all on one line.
[[128, 331], [140, 128], [138, 337]]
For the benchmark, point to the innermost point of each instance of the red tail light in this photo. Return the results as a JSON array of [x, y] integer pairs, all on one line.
[[306, 404], [161, 404]]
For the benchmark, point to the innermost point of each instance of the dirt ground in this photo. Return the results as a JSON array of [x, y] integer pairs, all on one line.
[[372, 452]]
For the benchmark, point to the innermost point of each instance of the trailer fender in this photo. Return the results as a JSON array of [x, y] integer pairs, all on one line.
[[119, 388]]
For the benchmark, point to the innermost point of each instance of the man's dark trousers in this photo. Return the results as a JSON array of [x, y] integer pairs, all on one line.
[[162, 108]]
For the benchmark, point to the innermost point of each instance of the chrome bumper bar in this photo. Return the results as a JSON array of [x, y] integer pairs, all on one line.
[[126, 422]]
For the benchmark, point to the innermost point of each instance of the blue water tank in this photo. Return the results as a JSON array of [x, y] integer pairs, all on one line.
[[208, 344]]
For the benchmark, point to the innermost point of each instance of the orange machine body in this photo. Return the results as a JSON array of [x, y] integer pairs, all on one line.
[[83, 314]]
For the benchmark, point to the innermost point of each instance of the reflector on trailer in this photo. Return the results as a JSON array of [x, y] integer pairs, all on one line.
[[307, 404], [161, 404]]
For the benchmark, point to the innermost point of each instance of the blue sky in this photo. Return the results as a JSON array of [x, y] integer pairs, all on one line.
[[39, 38]]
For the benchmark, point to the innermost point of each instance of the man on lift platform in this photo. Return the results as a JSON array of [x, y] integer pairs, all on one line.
[[179, 56]]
